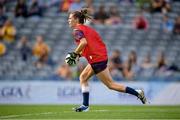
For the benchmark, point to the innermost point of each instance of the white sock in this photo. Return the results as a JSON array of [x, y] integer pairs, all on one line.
[[84, 89]]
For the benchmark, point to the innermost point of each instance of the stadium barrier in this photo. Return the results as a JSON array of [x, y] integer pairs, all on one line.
[[41, 92]]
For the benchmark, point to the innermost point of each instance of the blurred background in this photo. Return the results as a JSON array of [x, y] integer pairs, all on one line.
[[142, 37]]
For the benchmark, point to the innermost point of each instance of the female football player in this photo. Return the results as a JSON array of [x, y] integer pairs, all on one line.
[[91, 46]]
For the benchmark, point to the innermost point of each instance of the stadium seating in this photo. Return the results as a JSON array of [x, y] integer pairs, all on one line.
[[53, 26]]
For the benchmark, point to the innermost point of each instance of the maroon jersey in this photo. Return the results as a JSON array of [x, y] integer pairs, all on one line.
[[95, 50]]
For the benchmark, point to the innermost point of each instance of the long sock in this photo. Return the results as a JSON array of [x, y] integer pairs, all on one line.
[[86, 98], [131, 91], [85, 92]]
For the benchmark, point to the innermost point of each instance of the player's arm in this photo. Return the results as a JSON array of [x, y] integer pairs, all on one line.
[[79, 36], [81, 46]]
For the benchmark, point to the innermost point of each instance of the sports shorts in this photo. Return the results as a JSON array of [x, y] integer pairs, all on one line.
[[99, 66]]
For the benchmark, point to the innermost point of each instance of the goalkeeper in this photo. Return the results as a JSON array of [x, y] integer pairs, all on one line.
[[91, 46]]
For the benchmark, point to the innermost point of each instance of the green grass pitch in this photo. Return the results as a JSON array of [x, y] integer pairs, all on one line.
[[96, 112]]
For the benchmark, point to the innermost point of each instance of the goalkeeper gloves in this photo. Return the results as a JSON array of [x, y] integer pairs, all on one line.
[[71, 58]]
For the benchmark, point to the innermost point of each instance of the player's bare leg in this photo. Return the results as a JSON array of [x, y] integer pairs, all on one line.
[[84, 77], [106, 78]]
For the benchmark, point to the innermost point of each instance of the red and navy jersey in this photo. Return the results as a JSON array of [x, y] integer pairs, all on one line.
[[95, 50]]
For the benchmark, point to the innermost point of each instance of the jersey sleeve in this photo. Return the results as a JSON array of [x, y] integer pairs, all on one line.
[[78, 34]]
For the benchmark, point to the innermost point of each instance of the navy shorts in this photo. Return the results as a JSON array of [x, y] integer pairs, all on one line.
[[99, 66]]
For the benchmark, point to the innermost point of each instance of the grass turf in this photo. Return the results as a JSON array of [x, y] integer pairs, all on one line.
[[96, 112]]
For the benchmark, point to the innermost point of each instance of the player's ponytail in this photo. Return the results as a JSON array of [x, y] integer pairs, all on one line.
[[82, 15]]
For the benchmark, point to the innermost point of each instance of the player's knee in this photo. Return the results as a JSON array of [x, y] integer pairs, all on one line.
[[82, 79]]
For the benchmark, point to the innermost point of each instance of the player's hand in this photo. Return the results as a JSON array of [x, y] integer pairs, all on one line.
[[71, 58]]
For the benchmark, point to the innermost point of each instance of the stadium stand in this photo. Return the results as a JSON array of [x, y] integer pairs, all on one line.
[[54, 28]]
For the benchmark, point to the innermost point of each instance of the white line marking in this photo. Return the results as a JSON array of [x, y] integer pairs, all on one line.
[[26, 115], [99, 110], [43, 113]]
